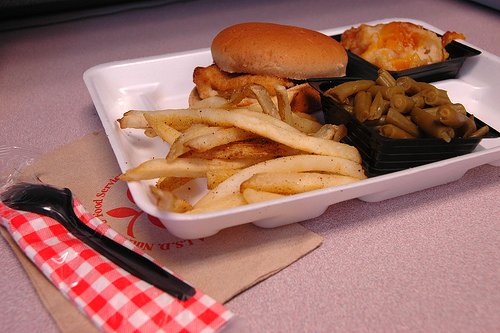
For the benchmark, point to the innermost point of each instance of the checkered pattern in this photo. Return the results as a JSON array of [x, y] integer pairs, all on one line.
[[113, 299]]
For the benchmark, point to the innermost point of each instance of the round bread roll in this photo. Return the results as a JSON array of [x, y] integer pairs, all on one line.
[[279, 50]]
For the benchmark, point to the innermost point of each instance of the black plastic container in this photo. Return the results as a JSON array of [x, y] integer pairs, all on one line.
[[448, 69], [383, 155]]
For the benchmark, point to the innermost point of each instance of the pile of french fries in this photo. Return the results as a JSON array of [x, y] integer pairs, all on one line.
[[249, 154]]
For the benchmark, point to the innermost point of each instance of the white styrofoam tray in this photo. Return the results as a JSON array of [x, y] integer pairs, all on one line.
[[165, 81]]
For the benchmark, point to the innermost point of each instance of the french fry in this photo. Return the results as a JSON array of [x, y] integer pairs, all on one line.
[[220, 137], [326, 132], [331, 132], [265, 100], [287, 183], [255, 91], [133, 119], [297, 163], [256, 148], [263, 125], [253, 196], [181, 167], [306, 115], [166, 200], [165, 132], [215, 177], [304, 124], [150, 133], [211, 102], [172, 183], [284, 108], [178, 147], [239, 98], [340, 133], [136, 119], [228, 200]]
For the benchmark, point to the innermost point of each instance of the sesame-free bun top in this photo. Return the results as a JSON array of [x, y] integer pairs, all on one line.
[[279, 50]]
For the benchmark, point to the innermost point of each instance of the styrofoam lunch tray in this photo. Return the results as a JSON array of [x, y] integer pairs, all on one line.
[[165, 81]]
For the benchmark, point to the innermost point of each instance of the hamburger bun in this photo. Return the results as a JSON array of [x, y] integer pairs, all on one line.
[[278, 50]]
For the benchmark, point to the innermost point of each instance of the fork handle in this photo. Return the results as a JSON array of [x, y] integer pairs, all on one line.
[[129, 260]]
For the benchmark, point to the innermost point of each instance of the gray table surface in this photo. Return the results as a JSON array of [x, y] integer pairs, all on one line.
[[423, 262]]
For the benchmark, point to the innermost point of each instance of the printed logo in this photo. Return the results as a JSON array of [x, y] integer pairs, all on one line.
[[132, 215], [129, 220], [129, 214]]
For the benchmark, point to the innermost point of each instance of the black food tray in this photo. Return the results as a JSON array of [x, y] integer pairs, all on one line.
[[448, 69], [383, 155]]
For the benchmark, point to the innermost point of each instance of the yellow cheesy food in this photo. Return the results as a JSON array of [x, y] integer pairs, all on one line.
[[397, 46]]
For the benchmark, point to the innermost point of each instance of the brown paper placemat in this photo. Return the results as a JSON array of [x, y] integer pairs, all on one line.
[[222, 265]]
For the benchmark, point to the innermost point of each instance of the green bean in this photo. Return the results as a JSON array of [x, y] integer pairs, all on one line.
[[387, 92], [388, 101], [430, 125], [374, 90], [344, 90], [450, 117], [480, 132], [376, 122], [434, 96], [410, 86], [468, 128], [418, 100], [459, 108], [378, 107], [433, 110], [394, 132], [349, 108], [385, 78], [362, 102], [399, 120], [391, 91], [402, 103]]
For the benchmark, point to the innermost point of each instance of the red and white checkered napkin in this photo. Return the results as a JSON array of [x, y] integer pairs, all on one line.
[[112, 298]]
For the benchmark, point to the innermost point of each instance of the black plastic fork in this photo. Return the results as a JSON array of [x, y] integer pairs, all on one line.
[[58, 204]]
